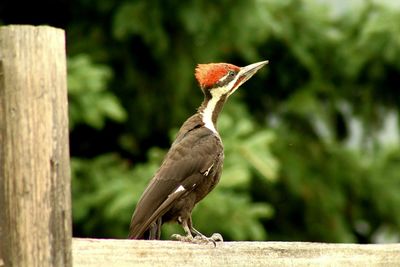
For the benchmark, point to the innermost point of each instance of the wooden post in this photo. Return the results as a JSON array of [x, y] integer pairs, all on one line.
[[35, 193]]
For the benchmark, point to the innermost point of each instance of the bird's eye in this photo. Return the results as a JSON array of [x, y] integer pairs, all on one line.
[[229, 76]]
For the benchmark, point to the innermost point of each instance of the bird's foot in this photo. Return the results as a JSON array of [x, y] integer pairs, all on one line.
[[199, 239], [216, 237], [183, 238]]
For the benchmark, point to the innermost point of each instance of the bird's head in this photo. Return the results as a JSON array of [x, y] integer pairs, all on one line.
[[222, 79]]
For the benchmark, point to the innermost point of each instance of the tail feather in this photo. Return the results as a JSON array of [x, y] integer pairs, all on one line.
[[153, 223], [152, 233]]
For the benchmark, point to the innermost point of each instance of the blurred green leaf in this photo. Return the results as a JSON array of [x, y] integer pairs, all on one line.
[[89, 101]]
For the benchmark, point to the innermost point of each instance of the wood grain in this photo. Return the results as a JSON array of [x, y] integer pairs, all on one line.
[[109, 252], [35, 197]]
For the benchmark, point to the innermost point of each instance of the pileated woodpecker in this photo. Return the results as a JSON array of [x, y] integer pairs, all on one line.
[[193, 165]]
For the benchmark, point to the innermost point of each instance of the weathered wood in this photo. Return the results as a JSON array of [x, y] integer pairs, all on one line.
[[108, 252], [35, 198]]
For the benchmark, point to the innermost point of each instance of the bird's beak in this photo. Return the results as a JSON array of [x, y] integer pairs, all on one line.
[[247, 72]]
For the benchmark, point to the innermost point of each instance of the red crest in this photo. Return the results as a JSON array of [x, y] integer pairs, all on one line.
[[209, 74]]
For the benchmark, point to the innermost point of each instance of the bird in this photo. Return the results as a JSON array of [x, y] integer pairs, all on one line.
[[193, 165]]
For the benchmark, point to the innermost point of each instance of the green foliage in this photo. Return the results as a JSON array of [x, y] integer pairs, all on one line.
[[247, 148], [356, 188], [305, 155], [105, 187], [89, 102]]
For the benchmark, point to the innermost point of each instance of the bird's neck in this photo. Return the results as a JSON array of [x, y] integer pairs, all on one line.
[[210, 109]]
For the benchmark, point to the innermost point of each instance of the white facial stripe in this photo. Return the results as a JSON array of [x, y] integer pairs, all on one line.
[[223, 78], [208, 111], [232, 83], [227, 90], [216, 93]]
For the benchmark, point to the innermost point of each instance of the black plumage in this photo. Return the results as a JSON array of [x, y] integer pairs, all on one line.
[[193, 165], [194, 162]]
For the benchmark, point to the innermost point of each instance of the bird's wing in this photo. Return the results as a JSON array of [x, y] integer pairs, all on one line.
[[186, 163]]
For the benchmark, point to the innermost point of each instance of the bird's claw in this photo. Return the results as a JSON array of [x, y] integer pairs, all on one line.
[[217, 237], [199, 239], [183, 238]]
